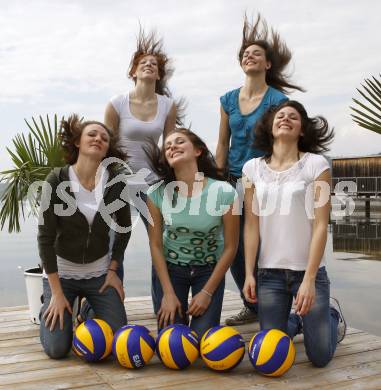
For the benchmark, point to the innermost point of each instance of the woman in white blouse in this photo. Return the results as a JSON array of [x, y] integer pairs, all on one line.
[[287, 206]]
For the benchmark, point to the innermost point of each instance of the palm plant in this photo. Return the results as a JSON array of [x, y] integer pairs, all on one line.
[[369, 117], [34, 156]]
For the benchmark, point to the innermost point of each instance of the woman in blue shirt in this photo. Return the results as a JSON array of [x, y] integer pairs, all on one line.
[[263, 58]]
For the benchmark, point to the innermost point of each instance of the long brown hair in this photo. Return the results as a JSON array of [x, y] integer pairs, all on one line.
[[71, 132], [150, 44], [317, 134], [276, 51], [205, 161]]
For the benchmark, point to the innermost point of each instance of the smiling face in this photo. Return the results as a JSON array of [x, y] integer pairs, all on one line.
[[147, 68], [179, 149], [287, 124], [94, 141], [254, 60]]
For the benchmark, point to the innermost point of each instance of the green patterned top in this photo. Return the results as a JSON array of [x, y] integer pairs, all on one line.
[[193, 226]]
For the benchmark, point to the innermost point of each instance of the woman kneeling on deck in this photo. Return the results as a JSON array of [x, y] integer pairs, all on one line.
[[193, 235], [73, 237], [287, 205]]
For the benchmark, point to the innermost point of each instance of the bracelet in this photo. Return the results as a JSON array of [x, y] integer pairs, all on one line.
[[111, 269], [207, 293]]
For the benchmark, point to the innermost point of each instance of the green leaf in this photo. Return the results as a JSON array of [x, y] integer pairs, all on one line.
[[368, 113], [34, 155]]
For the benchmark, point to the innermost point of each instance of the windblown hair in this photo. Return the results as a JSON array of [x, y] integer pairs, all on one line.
[[150, 44], [276, 50], [316, 132], [71, 132], [205, 161]]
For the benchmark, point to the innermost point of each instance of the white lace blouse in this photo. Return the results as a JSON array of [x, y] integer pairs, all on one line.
[[285, 205]]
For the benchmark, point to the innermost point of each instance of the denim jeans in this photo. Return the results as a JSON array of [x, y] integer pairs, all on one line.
[[85, 310], [184, 278], [237, 268], [107, 306], [276, 289]]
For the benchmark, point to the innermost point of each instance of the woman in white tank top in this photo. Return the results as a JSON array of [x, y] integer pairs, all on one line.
[[287, 206], [143, 114]]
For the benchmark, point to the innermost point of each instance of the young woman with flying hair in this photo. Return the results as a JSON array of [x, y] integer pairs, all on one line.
[[73, 239], [287, 206], [144, 114], [263, 57], [194, 233]]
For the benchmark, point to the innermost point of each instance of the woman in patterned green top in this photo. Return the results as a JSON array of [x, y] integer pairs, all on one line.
[[193, 233]]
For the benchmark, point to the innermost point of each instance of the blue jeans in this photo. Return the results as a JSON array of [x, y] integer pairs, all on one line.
[[184, 278], [107, 306], [85, 310], [237, 268], [276, 289]]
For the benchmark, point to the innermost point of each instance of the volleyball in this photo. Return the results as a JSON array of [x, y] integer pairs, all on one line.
[[133, 346], [92, 340], [271, 352], [177, 346], [222, 348]]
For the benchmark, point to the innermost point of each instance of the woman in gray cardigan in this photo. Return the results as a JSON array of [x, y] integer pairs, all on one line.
[[73, 234]]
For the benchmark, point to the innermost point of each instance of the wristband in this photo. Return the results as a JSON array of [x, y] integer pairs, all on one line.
[[207, 293], [111, 269]]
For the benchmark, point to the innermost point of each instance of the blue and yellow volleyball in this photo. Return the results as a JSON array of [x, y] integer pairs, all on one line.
[[177, 346], [222, 348], [133, 346], [271, 352], [92, 340]]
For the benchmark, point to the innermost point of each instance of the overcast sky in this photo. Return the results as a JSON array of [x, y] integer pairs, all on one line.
[[71, 56]]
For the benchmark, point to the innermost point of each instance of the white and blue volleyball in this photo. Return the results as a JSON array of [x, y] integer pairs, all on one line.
[[133, 346], [222, 348], [92, 340], [177, 346], [271, 352]]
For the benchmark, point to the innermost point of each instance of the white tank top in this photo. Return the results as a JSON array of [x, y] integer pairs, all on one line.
[[134, 133], [285, 207]]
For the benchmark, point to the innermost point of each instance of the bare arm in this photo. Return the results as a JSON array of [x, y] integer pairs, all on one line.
[[111, 119], [223, 140], [306, 294], [170, 122], [201, 301], [170, 303], [251, 239]]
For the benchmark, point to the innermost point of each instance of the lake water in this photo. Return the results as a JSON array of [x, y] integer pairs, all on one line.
[[355, 275]]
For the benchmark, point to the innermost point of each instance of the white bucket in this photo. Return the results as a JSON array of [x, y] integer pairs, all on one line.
[[33, 281]]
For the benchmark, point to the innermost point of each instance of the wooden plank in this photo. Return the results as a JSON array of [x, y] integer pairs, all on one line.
[[70, 373], [23, 357], [21, 332], [372, 382], [40, 364], [24, 365], [19, 342], [93, 387], [26, 348], [13, 308], [89, 381]]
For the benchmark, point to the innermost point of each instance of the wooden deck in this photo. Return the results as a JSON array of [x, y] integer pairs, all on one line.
[[23, 364]]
